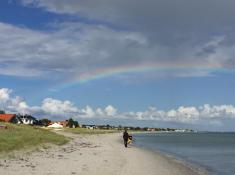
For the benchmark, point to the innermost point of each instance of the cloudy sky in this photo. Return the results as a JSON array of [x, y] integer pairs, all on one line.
[[159, 63]]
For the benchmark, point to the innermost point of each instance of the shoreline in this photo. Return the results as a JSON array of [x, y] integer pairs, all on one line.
[[95, 154], [197, 168]]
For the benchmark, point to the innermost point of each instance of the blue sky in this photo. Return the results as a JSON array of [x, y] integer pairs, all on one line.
[[48, 47]]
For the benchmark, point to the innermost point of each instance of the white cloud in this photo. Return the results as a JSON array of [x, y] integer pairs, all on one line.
[[16, 104], [217, 111], [210, 115], [110, 110], [187, 115], [49, 107], [133, 34], [168, 22], [4, 94], [33, 53], [73, 49], [100, 112], [57, 107], [87, 112]]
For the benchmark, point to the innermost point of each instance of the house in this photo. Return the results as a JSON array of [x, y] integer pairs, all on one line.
[[62, 123], [151, 129], [28, 119], [11, 118], [55, 126], [89, 126]]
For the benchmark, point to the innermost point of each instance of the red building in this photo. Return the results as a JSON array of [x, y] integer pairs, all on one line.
[[11, 118]]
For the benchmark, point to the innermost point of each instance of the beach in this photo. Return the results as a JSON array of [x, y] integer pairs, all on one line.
[[102, 154]]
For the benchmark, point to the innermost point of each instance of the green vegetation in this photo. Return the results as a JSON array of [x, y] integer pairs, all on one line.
[[89, 131], [17, 137], [2, 111], [72, 123], [44, 122]]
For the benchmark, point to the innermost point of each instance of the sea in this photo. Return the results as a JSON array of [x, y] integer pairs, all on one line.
[[213, 151]]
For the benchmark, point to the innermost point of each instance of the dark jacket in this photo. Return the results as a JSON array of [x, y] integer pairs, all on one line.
[[125, 135]]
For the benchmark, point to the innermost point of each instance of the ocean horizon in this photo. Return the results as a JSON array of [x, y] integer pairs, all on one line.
[[212, 151]]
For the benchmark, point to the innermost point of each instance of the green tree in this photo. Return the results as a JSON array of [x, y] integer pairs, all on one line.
[[75, 124], [44, 122], [137, 128], [2, 112], [120, 127], [71, 123]]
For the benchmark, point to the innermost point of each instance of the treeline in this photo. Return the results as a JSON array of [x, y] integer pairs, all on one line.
[[70, 122], [120, 127]]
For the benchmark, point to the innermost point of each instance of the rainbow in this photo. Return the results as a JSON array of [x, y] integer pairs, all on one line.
[[132, 69]]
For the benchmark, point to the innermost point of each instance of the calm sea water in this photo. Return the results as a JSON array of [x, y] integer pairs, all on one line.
[[214, 151]]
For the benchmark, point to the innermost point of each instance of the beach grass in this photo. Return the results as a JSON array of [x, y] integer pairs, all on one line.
[[90, 131], [17, 137]]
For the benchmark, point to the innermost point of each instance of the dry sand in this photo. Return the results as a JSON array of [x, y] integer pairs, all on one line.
[[94, 155]]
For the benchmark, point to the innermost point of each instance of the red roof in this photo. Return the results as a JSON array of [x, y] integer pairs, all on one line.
[[6, 117]]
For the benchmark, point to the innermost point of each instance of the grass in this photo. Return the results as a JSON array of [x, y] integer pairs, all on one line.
[[89, 131], [17, 137]]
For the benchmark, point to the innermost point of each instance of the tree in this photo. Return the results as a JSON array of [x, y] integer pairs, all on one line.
[[137, 128], [108, 126], [71, 123], [2, 112], [44, 122], [75, 124], [146, 128]]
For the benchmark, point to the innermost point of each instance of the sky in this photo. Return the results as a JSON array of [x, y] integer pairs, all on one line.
[[155, 63]]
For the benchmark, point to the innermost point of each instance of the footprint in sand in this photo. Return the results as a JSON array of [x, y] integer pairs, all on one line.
[[84, 167], [60, 156]]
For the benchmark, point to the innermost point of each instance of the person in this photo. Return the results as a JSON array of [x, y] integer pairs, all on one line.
[[125, 137]]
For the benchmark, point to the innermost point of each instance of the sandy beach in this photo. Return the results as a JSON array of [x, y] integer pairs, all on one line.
[[94, 154]]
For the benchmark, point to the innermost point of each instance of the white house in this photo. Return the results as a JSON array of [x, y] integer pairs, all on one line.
[[55, 126], [28, 119]]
